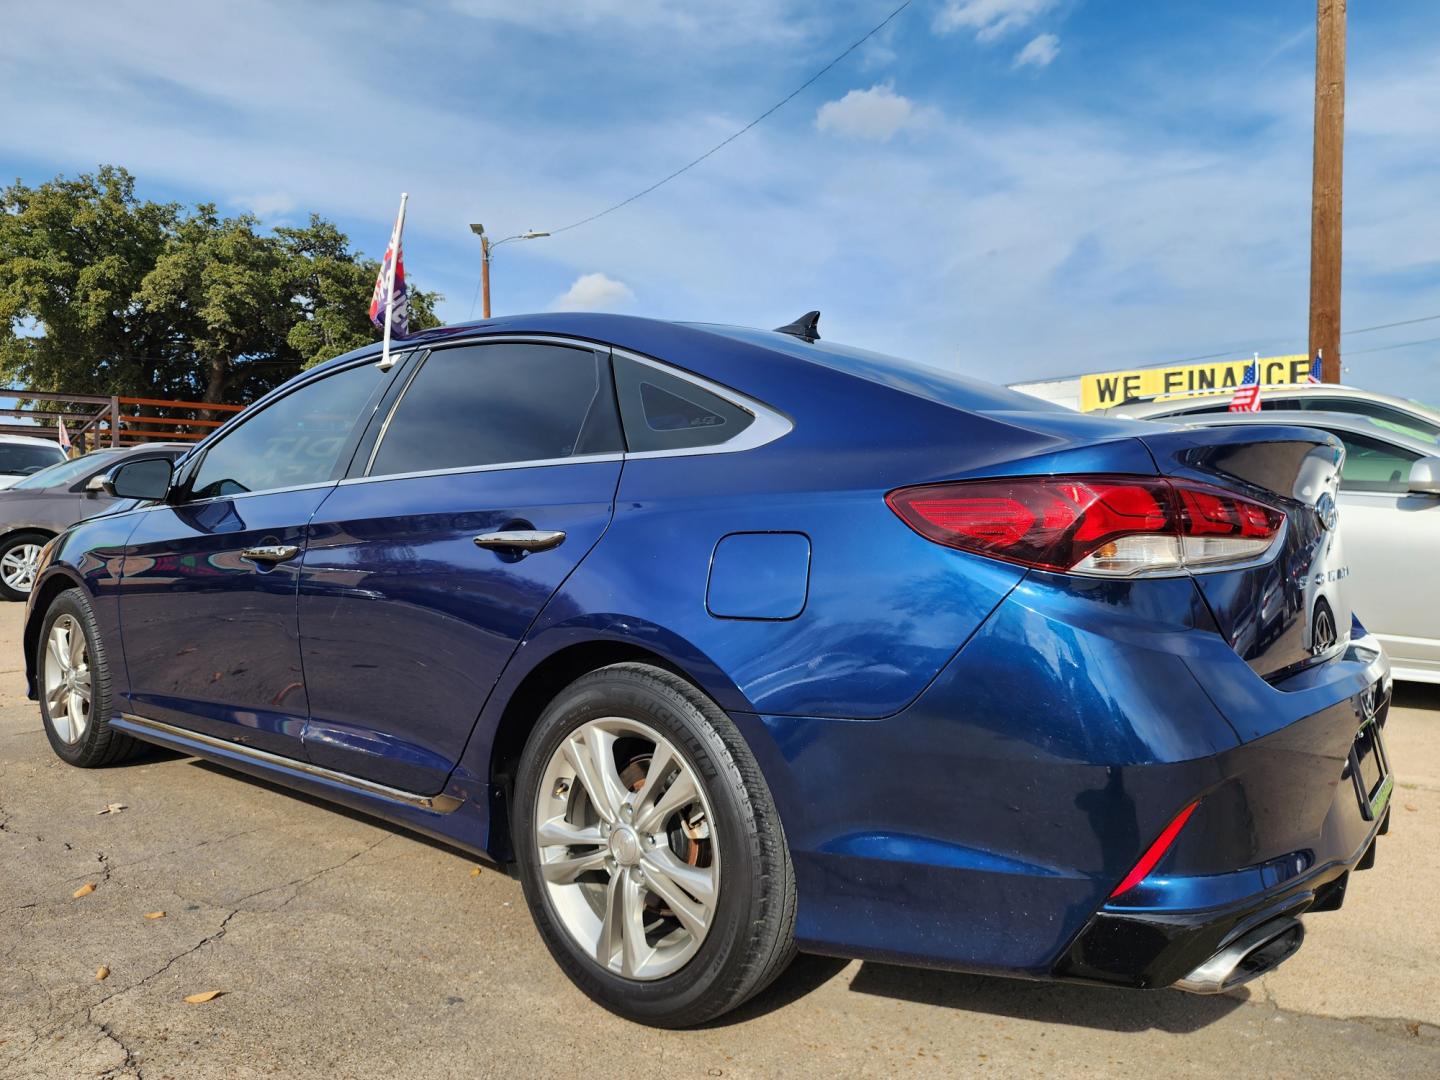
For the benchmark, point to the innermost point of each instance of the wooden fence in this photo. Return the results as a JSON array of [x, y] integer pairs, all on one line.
[[112, 421]]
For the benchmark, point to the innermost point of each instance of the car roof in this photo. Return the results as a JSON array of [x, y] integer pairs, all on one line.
[[30, 440], [1284, 391], [735, 356], [1351, 423]]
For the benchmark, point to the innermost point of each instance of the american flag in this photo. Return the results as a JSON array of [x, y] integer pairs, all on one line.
[[400, 307], [1313, 376], [1247, 394], [63, 437]]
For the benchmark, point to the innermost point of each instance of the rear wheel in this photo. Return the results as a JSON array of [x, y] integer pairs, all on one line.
[[19, 559], [651, 854], [73, 678]]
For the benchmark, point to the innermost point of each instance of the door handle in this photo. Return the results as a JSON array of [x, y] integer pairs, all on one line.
[[270, 554], [521, 540]]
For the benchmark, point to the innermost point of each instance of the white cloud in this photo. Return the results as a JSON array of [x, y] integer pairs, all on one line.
[[877, 113], [267, 205], [594, 292], [990, 19], [1038, 52]]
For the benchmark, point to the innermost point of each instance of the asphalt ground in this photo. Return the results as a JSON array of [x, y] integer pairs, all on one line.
[[343, 948]]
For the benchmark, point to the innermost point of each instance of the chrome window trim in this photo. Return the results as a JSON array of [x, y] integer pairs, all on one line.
[[503, 466], [767, 425], [439, 804]]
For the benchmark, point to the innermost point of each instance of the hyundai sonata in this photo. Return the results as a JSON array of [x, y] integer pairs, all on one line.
[[732, 642]]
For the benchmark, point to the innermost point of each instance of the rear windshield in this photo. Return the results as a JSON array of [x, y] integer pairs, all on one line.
[[21, 459], [939, 385]]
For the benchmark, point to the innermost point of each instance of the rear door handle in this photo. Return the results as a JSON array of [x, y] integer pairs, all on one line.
[[521, 540], [270, 554]]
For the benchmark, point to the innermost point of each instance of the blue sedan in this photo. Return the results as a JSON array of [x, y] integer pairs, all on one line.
[[734, 642]]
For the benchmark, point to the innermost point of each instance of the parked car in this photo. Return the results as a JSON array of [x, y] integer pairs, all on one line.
[[22, 455], [37, 507], [1389, 505], [733, 641], [1395, 414]]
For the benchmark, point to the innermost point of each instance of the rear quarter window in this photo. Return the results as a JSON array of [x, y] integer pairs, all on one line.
[[662, 411]]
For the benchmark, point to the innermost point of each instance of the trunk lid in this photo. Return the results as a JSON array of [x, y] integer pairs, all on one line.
[[1292, 608]]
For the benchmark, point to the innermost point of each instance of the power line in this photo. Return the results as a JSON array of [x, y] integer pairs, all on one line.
[[1388, 325], [1385, 348], [726, 142], [1229, 354]]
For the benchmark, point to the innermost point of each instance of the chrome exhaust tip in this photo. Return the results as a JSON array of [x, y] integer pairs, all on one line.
[[1248, 956]]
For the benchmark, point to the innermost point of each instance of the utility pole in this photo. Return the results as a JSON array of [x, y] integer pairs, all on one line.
[[1325, 196], [484, 276], [479, 230]]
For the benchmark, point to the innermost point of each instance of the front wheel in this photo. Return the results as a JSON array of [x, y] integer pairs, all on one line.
[[650, 851], [73, 677], [19, 559]]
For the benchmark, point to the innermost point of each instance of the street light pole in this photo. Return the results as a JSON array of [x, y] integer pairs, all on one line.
[[485, 275], [485, 249]]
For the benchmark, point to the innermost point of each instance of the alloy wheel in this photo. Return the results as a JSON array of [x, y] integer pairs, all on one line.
[[627, 848], [18, 566], [67, 678]]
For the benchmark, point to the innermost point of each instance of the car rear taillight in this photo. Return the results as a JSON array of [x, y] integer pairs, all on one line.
[[1111, 526]]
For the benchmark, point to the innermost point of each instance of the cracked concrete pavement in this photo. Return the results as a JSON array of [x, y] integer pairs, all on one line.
[[346, 949]]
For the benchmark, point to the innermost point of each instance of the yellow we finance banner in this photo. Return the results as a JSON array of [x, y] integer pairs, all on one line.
[[1184, 380]]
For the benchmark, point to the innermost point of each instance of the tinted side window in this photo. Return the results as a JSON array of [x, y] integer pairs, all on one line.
[[495, 404], [1372, 465], [665, 412], [294, 441]]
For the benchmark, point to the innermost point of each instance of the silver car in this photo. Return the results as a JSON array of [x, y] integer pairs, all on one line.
[[38, 506], [25, 455], [1390, 527], [1394, 413]]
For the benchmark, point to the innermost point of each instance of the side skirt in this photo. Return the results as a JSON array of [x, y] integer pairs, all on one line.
[[227, 752]]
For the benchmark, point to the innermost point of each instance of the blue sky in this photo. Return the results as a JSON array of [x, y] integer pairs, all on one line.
[[1012, 188]]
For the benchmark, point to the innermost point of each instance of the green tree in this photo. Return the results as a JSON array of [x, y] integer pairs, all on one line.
[[101, 292]]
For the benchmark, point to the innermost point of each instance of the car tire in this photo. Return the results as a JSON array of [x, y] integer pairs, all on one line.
[[726, 844], [19, 558], [72, 679]]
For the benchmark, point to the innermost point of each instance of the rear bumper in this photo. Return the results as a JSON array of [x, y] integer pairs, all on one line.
[[984, 827], [1149, 950]]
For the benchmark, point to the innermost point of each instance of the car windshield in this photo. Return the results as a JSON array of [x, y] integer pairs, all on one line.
[[65, 472], [22, 459]]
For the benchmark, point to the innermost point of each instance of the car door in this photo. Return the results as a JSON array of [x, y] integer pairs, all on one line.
[[487, 483], [1388, 534], [207, 602]]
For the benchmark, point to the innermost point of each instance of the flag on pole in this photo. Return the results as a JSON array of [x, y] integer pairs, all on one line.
[[1247, 394], [63, 437], [389, 303], [1313, 376]]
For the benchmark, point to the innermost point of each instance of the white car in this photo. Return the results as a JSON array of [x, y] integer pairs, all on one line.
[[21, 455], [1389, 525], [1392, 413]]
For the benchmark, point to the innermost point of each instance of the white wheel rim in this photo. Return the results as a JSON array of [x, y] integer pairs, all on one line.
[[608, 849], [65, 671], [18, 566]]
